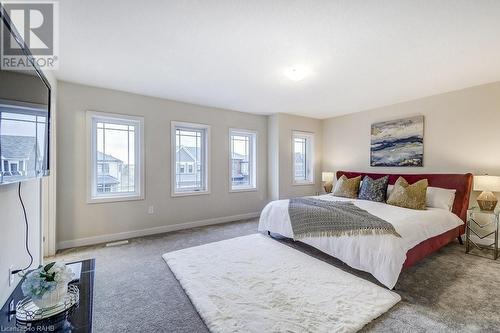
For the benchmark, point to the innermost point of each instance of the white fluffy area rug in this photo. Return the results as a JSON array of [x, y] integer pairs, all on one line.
[[256, 284]]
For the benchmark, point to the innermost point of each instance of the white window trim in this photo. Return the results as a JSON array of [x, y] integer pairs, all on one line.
[[254, 171], [310, 136], [173, 165], [92, 165]]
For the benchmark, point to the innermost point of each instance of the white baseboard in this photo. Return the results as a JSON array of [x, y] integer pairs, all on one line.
[[151, 231]]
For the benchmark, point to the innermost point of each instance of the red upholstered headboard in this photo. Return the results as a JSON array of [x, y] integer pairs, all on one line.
[[462, 183]]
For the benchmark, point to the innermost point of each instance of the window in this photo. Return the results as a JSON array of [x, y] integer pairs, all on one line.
[[303, 158], [242, 160], [189, 153], [115, 157]]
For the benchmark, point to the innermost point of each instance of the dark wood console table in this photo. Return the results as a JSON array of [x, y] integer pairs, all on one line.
[[76, 320]]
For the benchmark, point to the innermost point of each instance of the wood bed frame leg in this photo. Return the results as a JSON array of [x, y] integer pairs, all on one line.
[[460, 240]]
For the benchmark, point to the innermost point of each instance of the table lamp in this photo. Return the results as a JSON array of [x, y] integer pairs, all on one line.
[[327, 177], [487, 184]]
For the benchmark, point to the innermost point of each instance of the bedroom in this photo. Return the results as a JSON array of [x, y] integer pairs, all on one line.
[[183, 129]]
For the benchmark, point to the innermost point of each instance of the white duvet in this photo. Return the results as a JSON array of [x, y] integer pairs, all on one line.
[[381, 255]]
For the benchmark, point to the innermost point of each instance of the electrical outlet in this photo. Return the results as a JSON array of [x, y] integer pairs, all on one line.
[[11, 276], [151, 210]]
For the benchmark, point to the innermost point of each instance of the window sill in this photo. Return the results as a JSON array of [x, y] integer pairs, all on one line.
[[243, 189], [303, 183], [98, 200], [187, 194]]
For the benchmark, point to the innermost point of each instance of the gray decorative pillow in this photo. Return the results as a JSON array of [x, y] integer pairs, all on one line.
[[374, 190]]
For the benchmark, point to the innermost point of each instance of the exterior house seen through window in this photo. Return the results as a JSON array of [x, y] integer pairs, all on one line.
[[303, 157], [116, 156], [243, 159], [190, 158]]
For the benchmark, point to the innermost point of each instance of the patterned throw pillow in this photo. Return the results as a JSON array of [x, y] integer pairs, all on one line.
[[409, 196], [374, 190], [347, 188]]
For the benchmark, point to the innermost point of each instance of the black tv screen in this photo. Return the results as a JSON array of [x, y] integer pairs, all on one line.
[[24, 119]]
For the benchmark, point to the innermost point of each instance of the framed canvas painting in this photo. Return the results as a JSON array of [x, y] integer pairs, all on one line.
[[398, 143]]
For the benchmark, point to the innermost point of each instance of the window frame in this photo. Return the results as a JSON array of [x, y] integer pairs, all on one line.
[[252, 166], [205, 158], [309, 136], [92, 118]]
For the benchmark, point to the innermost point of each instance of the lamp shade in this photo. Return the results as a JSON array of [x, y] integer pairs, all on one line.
[[487, 183], [327, 176]]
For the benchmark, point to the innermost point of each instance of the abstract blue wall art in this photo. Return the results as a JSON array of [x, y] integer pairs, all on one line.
[[398, 143]]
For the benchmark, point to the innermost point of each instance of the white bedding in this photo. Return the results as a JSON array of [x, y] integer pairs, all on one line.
[[381, 255]]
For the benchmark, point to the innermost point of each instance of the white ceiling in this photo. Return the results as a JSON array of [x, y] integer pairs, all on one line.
[[233, 53]]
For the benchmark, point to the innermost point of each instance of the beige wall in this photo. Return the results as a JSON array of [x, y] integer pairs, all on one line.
[[273, 178], [280, 165], [462, 133], [12, 229], [78, 220]]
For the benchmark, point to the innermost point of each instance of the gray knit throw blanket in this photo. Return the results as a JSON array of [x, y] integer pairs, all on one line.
[[320, 218]]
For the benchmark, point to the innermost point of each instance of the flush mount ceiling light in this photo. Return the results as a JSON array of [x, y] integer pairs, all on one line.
[[297, 72]]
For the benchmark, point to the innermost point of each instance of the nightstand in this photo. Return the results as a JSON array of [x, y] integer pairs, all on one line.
[[482, 224]]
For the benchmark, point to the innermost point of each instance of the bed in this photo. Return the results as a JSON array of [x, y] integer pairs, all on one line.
[[385, 256]]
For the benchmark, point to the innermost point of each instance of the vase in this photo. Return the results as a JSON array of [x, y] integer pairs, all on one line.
[[53, 297]]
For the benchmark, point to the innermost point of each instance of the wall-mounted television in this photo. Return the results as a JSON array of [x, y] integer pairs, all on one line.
[[24, 116]]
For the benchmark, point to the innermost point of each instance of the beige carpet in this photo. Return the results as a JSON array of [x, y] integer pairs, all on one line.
[[135, 290]]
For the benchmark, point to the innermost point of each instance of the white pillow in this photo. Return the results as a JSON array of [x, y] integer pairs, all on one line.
[[389, 190], [436, 197], [440, 198]]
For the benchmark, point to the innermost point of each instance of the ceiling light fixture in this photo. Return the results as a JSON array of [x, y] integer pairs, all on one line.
[[297, 72]]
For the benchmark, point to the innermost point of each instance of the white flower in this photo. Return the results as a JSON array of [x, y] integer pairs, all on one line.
[[63, 274], [42, 280]]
